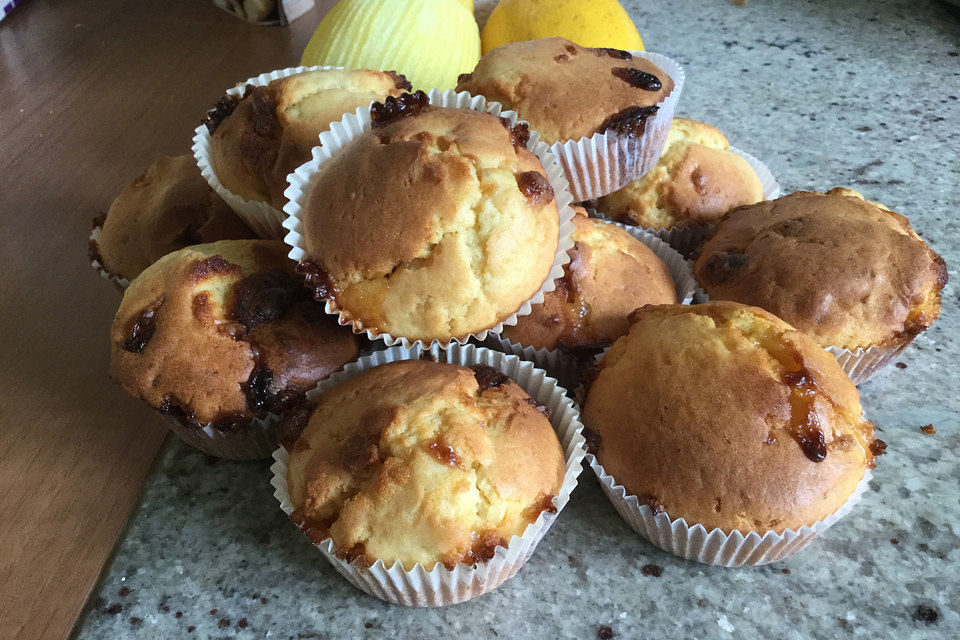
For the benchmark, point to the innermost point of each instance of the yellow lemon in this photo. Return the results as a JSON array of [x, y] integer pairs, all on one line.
[[589, 23], [431, 42]]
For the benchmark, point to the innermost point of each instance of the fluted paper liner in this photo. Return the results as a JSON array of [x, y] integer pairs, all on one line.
[[858, 364], [686, 238], [441, 586], [563, 365], [264, 219], [354, 124], [120, 283], [606, 162], [695, 542], [253, 441]]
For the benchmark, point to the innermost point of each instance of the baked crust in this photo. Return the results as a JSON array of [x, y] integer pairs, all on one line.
[[273, 128], [566, 91], [696, 181], [430, 226], [716, 413], [168, 207], [610, 274], [848, 272], [223, 333], [416, 461]]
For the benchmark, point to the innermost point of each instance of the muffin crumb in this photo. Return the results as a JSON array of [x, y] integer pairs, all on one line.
[[928, 429]]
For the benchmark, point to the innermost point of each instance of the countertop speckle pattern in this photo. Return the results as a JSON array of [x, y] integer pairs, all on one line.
[[861, 94]]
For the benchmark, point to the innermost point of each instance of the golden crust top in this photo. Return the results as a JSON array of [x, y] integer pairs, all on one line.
[[849, 272], [433, 225], [726, 416], [223, 333], [696, 180], [566, 91], [610, 274], [417, 461], [273, 128], [168, 207]]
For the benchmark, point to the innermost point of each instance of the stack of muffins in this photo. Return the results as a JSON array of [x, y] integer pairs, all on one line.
[[399, 355]]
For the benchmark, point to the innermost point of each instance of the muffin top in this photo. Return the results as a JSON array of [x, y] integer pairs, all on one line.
[[610, 274], [223, 333], [726, 416], [567, 92], [436, 223], [259, 139], [696, 180], [849, 272], [416, 461], [170, 206]]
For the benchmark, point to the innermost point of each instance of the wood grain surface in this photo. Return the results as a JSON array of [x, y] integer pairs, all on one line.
[[91, 92]]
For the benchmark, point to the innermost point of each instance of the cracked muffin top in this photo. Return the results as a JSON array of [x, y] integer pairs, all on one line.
[[567, 92], [610, 274], [168, 207], [696, 180], [726, 416], [258, 139], [849, 272], [436, 223], [417, 461], [223, 333]]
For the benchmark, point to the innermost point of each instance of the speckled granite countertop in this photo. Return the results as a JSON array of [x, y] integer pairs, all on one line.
[[861, 94]]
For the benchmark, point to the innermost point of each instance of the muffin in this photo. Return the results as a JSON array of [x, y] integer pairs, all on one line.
[[610, 274], [258, 139], [434, 224], [695, 182], [418, 462], [168, 207], [850, 273], [728, 417], [220, 337], [614, 90]]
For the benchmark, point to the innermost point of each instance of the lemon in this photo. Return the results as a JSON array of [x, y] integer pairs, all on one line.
[[589, 23], [431, 42]]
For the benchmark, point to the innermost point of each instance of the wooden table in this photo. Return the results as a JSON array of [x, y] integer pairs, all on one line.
[[91, 92]]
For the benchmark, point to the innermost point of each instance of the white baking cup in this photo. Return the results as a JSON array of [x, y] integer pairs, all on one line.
[[564, 366], [253, 441], [858, 364], [715, 547], [686, 238], [441, 586], [265, 220], [120, 283], [607, 162], [354, 124]]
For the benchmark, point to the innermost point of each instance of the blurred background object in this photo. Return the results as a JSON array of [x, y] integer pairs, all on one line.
[[266, 12], [7, 7]]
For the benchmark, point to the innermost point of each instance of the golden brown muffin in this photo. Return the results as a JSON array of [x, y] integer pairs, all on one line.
[[696, 180], [726, 416], [610, 274], [416, 461], [169, 207], [848, 272], [223, 333], [567, 92], [259, 139], [436, 223]]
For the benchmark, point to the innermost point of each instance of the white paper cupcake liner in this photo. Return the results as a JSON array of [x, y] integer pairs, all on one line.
[[695, 542], [565, 366], [354, 124], [264, 219], [120, 283], [254, 441], [439, 585], [858, 364], [686, 238], [606, 162]]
